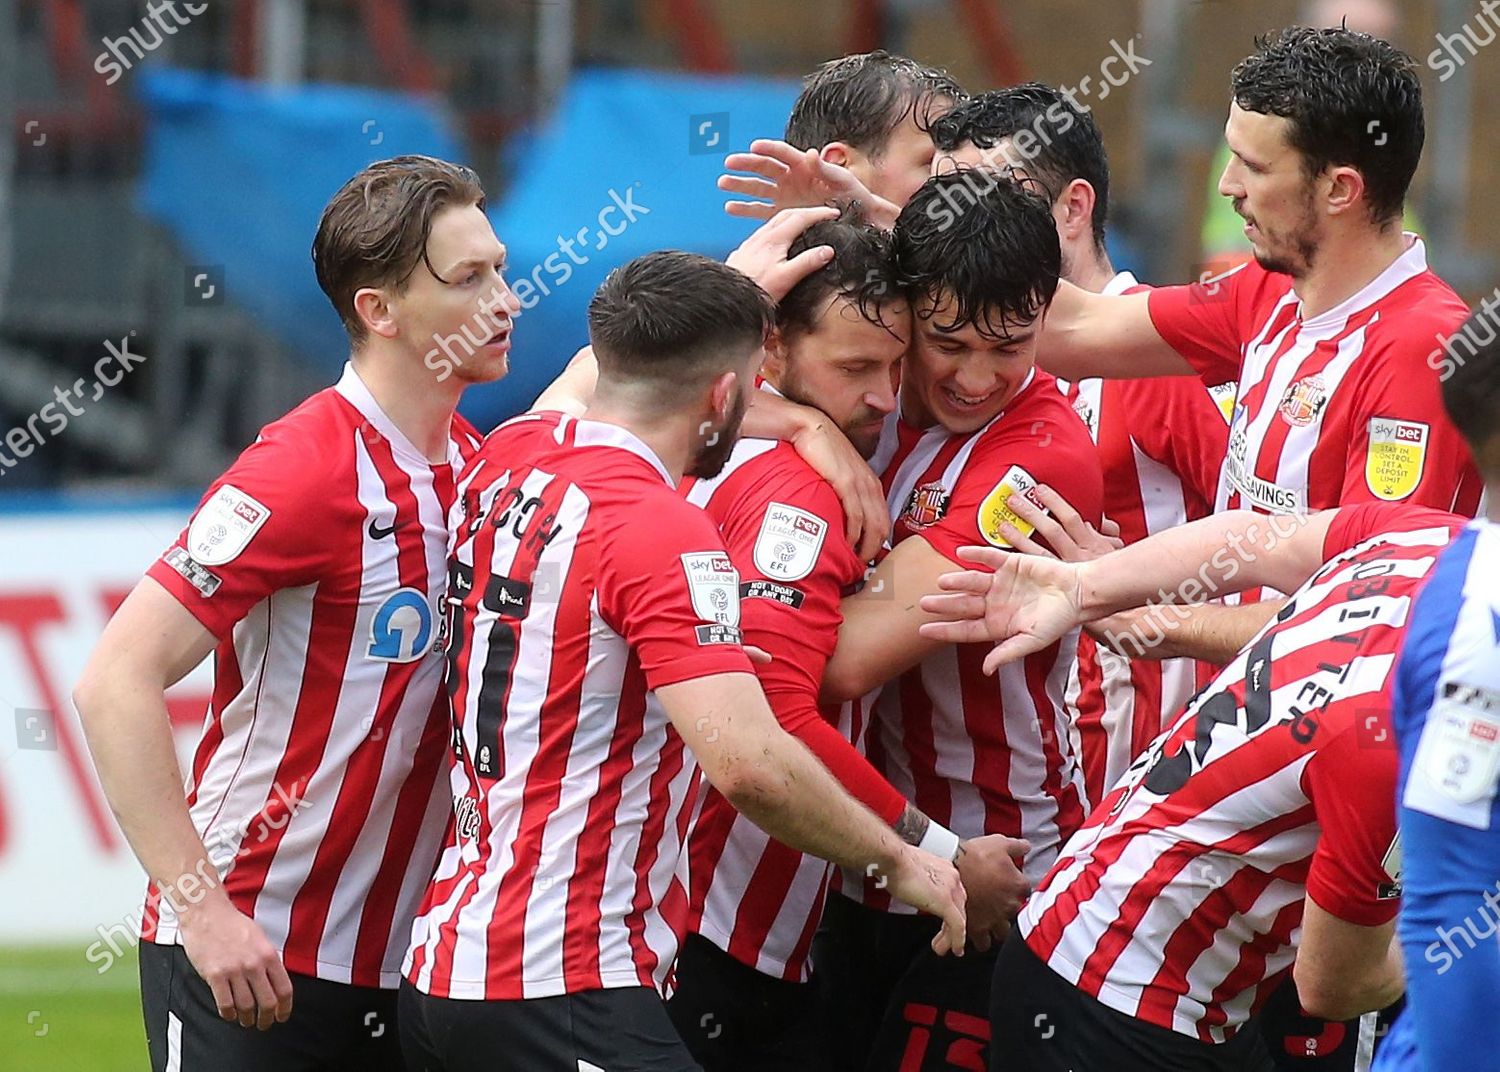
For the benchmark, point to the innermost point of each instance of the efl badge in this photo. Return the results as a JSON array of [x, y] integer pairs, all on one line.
[[789, 541], [224, 526], [715, 586], [1393, 466], [926, 505], [1460, 747], [1303, 401], [995, 510]]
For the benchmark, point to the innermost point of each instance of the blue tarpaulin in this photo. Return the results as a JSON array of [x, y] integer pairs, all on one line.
[[239, 173]]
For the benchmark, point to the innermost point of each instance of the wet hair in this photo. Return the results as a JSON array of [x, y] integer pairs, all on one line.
[[672, 321], [861, 100], [1352, 99], [1065, 141], [1471, 387], [983, 247], [862, 270]]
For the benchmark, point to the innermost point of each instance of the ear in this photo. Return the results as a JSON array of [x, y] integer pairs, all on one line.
[[372, 305], [774, 365], [1346, 189], [837, 152], [1075, 209], [721, 394]]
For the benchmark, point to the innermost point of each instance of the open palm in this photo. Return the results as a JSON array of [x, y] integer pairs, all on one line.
[[1026, 604]]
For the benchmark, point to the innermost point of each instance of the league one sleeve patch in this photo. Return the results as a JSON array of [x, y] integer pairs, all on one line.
[[224, 526], [789, 541], [995, 510], [714, 585], [1393, 464], [1453, 774]]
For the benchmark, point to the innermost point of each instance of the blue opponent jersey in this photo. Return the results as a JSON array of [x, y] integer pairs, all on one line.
[[1446, 716]]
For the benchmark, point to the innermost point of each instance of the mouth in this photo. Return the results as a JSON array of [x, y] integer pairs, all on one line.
[[500, 340], [966, 403]]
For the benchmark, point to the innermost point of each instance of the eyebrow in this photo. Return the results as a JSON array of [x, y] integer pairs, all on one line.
[[477, 262]]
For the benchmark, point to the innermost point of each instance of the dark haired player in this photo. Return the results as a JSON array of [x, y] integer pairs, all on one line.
[[595, 655], [316, 586], [1255, 839], [1161, 441], [865, 116], [741, 998], [1446, 717], [976, 425]]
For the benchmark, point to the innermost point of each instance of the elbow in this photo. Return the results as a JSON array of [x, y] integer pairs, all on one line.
[[843, 682], [751, 789], [1330, 999]]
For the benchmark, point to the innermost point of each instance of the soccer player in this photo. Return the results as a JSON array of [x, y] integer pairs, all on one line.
[[865, 116], [313, 570], [1330, 331], [741, 999], [976, 424], [595, 653], [1161, 441], [1258, 828], [1446, 715]]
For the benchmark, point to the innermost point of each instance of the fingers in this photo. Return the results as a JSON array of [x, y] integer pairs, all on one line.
[[281, 984], [954, 606], [971, 631], [758, 656], [971, 581], [1109, 528], [781, 152], [980, 936], [1022, 542], [1060, 508], [739, 184], [244, 1000], [762, 164], [805, 264], [1018, 848], [223, 996], [266, 1001], [791, 222], [1008, 651], [750, 210], [983, 556]]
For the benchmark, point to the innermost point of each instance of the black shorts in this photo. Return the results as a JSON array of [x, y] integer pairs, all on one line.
[[1043, 1023], [736, 1019], [333, 1027], [619, 1030], [1302, 1043], [889, 1003]]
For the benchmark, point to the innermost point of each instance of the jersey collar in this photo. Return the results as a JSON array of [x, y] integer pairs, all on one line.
[[1119, 283], [602, 434], [354, 391], [1411, 263]]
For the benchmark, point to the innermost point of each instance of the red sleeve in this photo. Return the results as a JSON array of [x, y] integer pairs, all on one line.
[[1205, 321], [668, 586], [1177, 422], [1354, 525], [1351, 782], [253, 533], [786, 536], [1402, 446], [1040, 441]]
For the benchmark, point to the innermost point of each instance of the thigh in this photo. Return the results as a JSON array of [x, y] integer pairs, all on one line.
[[626, 1030], [326, 1029], [937, 1015]]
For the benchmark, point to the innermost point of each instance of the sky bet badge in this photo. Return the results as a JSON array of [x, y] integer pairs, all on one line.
[[1393, 465], [995, 510]]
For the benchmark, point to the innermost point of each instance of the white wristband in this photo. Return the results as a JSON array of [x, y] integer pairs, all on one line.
[[940, 841]]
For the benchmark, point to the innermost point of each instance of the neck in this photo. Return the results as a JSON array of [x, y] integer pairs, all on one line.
[[1090, 268], [668, 436], [410, 394], [1346, 267]]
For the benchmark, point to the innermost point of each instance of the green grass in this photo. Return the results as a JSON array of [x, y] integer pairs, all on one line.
[[58, 1013]]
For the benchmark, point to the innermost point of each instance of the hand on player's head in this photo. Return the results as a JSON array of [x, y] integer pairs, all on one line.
[[1026, 604], [763, 256], [795, 178]]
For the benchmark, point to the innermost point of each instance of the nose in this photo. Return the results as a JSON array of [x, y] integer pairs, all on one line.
[[973, 380], [502, 301], [1229, 181], [882, 399]]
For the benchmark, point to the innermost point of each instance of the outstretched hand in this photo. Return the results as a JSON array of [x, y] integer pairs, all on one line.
[[1026, 604], [793, 178]]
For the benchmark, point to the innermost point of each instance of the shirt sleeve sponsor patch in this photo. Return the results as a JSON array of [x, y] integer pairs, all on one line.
[[1390, 863], [206, 581], [224, 526], [995, 510], [1394, 461], [1454, 772], [789, 541], [784, 594], [718, 634], [714, 585], [1224, 395]]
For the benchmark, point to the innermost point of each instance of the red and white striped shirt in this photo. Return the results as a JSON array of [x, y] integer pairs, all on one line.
[[581, 582], [983, 754], [1161, 444], [1335, 409], [753, 897], [1180, 901], [319, 561]]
